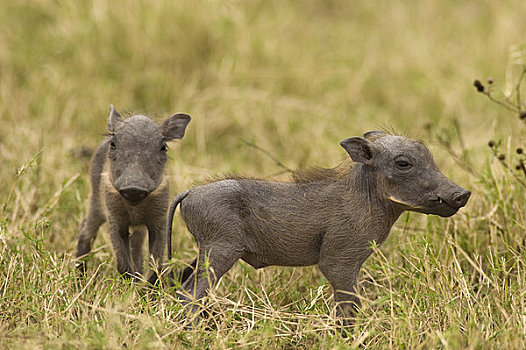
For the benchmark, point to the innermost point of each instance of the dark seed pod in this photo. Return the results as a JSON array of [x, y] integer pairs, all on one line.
[[501, 157], [490, 80], [519, 150], [478, 85], [522, 115], [491, 143]]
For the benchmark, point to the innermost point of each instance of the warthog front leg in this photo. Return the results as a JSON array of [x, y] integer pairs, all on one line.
[[88, 231], [157, 246], [343, 278], [347, 304], [136, 243], [120, 239]]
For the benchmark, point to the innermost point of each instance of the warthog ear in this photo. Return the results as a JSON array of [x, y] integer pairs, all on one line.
[[360, 150], [175, 126], [114, 119]]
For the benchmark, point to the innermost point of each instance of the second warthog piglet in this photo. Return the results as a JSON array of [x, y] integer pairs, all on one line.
[[130, 190], [328, 217]]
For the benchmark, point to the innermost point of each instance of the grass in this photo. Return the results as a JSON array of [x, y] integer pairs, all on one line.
[[293, 78]]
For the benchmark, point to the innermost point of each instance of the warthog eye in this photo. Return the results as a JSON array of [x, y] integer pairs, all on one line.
[[164, 148], [402, 164], [112, 145]]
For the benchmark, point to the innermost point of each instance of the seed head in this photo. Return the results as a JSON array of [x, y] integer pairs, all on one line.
[[519, 150], [490, 80], [523, 115], [491, 143], [501, 157], [478, 85], [428, 126]]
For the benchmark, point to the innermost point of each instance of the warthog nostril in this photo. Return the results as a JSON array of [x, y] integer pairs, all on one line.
[[134, 194], [460, 199]]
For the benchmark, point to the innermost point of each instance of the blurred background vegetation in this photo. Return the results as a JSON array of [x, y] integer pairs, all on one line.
[[292, 77]]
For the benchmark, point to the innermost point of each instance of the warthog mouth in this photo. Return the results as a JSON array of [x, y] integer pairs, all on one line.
[[133, 203], [437, 206], [404, 203], [442, 207]]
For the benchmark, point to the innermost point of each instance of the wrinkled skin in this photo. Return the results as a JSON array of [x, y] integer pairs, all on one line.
[[326, 217], [130, 190]]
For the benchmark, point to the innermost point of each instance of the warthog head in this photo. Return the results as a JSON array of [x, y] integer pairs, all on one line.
[[406, 173], [137, 152]]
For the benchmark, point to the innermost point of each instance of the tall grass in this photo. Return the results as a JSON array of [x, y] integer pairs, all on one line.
[[293, 78]]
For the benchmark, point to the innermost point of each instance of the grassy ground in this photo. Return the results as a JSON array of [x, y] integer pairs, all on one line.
[[294, 78]]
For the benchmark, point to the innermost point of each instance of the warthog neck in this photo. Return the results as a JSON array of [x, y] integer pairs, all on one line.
[[373, 212], [354, 187]]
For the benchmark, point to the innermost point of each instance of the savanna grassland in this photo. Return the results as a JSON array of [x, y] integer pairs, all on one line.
[[289, 79]]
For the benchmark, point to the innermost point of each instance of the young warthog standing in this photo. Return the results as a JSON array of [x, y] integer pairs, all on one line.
[[129, 189], [327, 217]]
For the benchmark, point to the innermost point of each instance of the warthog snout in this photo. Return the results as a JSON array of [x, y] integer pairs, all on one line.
[[134, 195], [448, 203], [461, 198]]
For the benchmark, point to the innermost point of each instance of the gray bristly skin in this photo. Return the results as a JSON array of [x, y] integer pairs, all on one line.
[[130, 190], [327, 217]]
